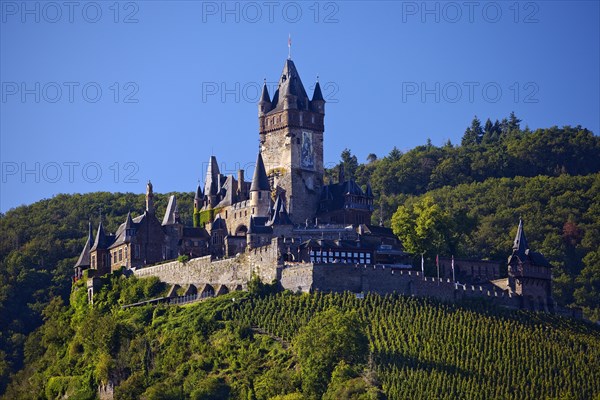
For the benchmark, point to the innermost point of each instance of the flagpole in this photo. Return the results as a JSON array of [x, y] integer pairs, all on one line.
[[289, 46], [423, 265], [453, 277]]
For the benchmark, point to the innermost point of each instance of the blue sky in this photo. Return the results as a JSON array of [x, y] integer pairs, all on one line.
[[102, 96]]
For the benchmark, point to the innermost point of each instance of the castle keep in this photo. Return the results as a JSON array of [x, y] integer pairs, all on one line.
[[288, 224]]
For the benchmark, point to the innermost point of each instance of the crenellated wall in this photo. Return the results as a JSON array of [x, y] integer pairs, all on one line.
[[265, 262]]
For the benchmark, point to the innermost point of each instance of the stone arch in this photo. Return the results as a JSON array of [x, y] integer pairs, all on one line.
[[241, 230]]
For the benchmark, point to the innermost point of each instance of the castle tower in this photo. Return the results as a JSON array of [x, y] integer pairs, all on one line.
[[291, 142], [198, 198], [530, 274], [99, 254], [211, 183], [260, 191], [149, 198], [83, 262]]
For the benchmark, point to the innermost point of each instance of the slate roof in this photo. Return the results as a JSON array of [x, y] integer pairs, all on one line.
[[333, 196], [171, 213], [317, 94], [522, 251], [121, 236], [260, 180], [258, 226], [290, 83], [265, 98], [195, 233], [279, 215], [212, 184], [218, 223], [84, 257], [102, 239], [199, 195]]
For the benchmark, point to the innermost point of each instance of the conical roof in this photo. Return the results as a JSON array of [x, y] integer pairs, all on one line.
[[279, 215], [171, 213], [260, 181], [129, 221], [317, 94], [199, 194], [290, 84], [265, 98], [520, 245], [101, 241], [212, 177], [84, 257]]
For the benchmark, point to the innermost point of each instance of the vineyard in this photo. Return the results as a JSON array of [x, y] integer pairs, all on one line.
[[424, 350]]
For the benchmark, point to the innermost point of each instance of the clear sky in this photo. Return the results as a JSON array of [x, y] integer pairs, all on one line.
[[102, 96]]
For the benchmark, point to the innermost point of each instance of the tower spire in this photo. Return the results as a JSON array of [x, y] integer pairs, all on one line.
[[289, 46]]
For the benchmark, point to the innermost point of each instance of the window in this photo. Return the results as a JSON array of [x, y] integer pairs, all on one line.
[[120, 254], [93, 262], [126, 253], [115, 257], [259, 197], [136, 251]]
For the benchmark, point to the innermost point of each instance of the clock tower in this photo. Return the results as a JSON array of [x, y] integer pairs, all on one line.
[[291, 130]]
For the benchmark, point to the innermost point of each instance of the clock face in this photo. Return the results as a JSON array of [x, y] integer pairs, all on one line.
[[307, 154]]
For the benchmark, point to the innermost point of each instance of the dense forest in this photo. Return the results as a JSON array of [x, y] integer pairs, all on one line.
[[265, 344], [469, 197]]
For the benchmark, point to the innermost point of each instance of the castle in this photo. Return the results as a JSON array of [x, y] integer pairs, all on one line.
[[287, 224]]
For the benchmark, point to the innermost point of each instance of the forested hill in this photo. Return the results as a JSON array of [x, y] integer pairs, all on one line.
[[265, 345], [550, 177]]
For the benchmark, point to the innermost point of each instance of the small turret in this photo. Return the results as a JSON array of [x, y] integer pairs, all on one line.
[[129, 227], [198, 198], [317, 104], [211, 184], [83, 262], [149, 198], [264, 105], [260, 190]]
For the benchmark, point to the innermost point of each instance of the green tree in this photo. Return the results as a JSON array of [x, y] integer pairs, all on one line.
[[349, 163], [423, 227], [330, 337], [473, 134]]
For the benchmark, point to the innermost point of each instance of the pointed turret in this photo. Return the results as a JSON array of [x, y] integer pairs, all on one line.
[[198, 197], [83, 261], [149, 198], [369, 192], [101, 241], [172, 214], [260, 181], [129, 221], [260, 190], [264, 105], [317, 103], [290, 93], [211, 183], [279, 215], [520, 245]]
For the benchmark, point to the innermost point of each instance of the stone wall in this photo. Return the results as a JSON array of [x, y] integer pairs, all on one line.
[[261, 261]]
